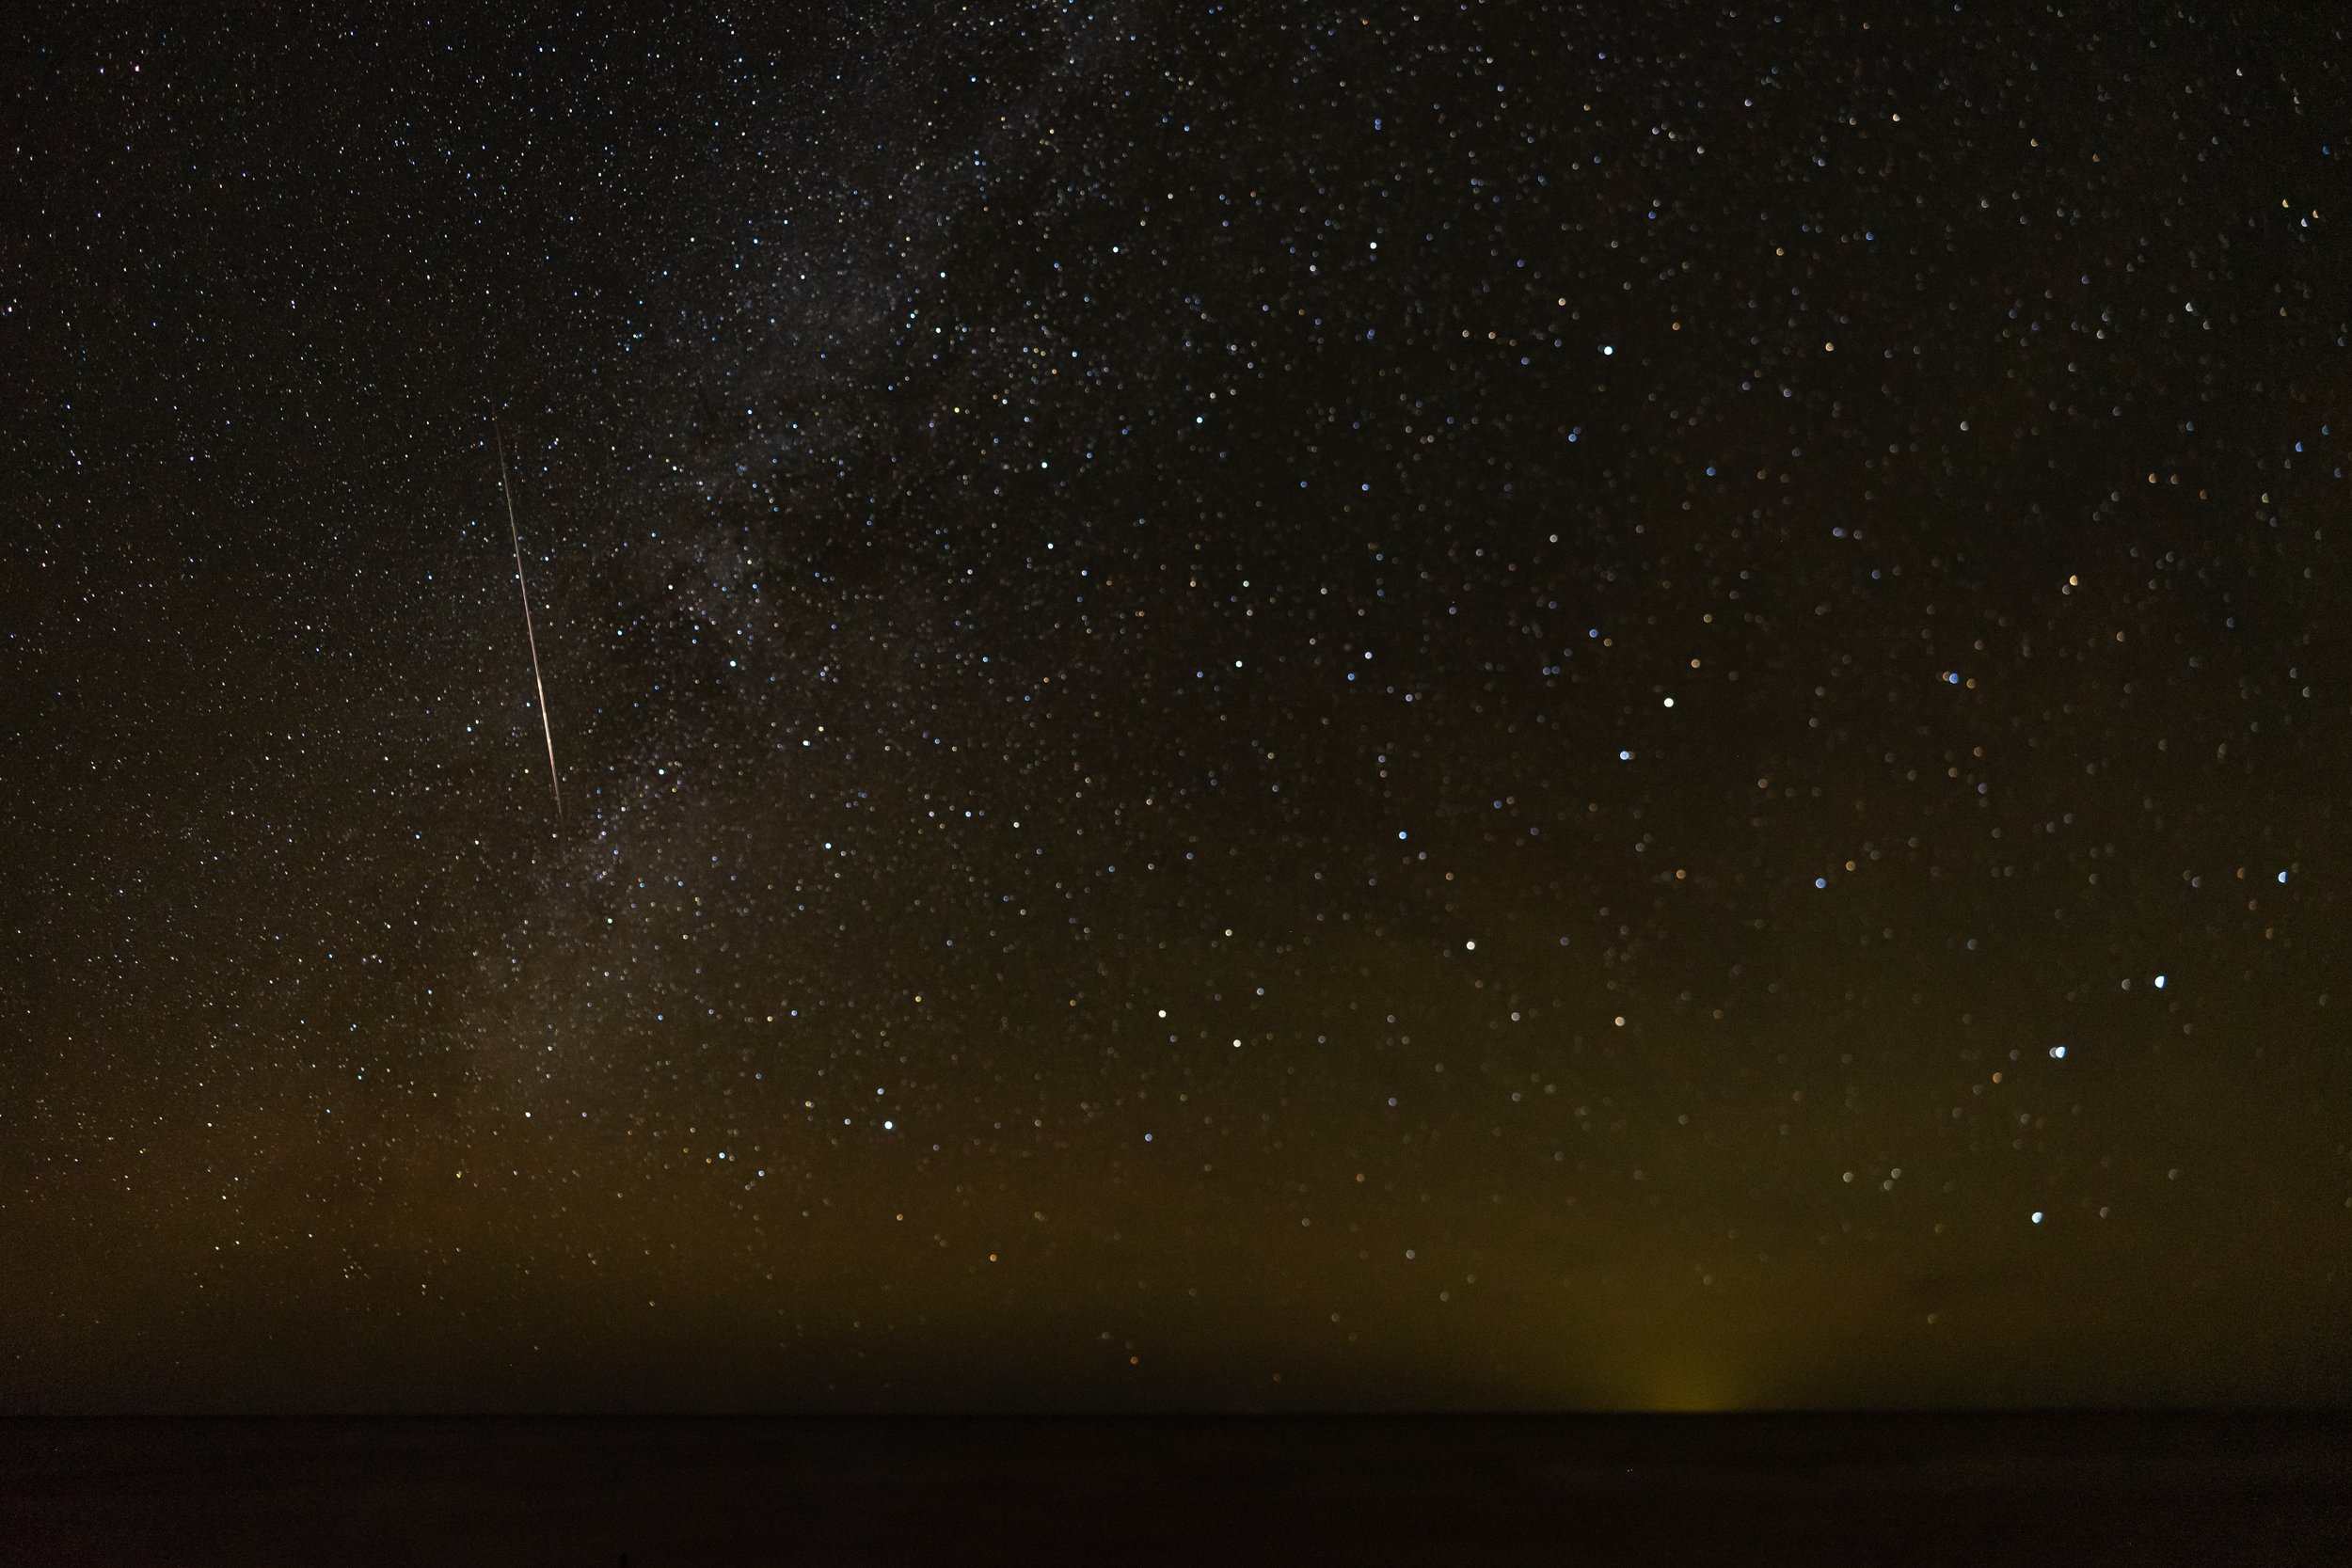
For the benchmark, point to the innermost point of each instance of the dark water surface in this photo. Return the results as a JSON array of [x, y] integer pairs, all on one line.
[[1732, 1489]]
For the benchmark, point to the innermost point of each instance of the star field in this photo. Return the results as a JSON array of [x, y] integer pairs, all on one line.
[[1264, 706]]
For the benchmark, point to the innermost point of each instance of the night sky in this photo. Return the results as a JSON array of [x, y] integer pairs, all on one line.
[[1258, 706]]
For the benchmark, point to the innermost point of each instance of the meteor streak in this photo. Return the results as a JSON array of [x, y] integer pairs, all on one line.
[[511, 532]]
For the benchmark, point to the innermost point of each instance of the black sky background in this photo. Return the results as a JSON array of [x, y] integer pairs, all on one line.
[[1260, 708]]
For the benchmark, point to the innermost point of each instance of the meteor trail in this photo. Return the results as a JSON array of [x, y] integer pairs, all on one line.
[[513, 533]]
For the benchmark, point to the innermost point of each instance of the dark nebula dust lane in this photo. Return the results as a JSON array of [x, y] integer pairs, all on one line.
[[1260, 708]]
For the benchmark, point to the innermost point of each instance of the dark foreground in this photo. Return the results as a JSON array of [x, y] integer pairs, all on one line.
[[1898, 1490]]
